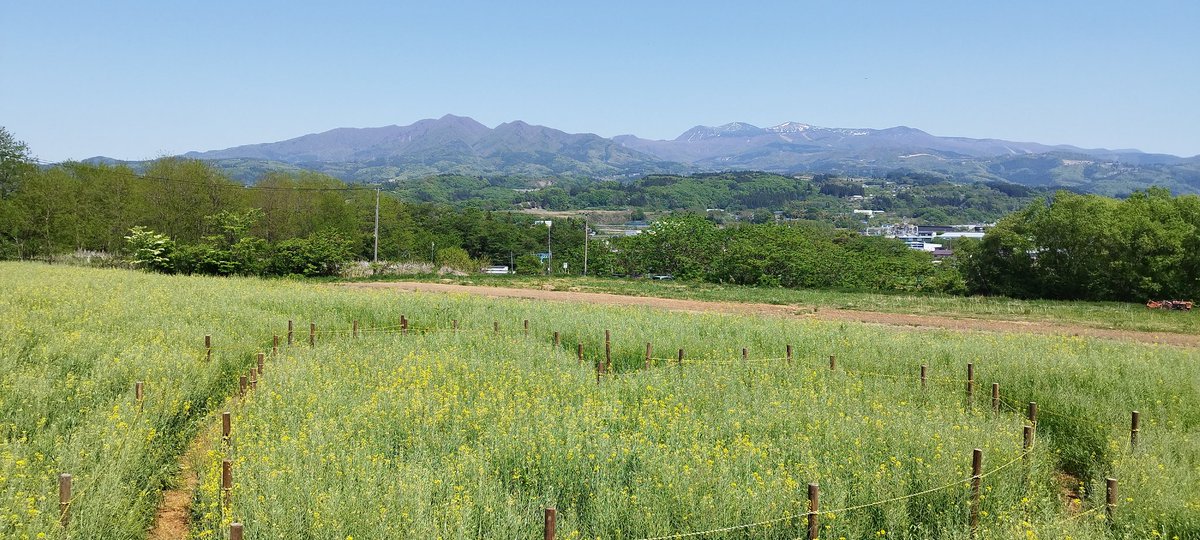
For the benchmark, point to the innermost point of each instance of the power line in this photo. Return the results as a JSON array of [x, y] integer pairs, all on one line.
[[126, 172]]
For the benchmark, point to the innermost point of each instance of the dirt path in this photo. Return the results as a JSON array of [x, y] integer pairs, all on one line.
[[823, 313], [174, 512]]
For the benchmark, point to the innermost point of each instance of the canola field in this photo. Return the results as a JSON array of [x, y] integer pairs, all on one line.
[[437, 433]]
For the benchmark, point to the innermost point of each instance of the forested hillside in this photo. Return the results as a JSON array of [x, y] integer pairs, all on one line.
[[917, 197], [185, 216]]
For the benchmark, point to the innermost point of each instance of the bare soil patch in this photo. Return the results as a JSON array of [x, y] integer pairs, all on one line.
[[172, 520], [174, 512], [822, 313]]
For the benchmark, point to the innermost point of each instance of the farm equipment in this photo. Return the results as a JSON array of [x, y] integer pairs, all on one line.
[[1182, 305]]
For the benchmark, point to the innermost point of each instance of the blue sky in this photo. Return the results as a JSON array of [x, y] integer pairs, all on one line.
[[137, 80]]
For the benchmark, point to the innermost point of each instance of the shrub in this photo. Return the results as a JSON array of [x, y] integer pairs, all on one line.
[[319, 254], [456, 258], [150, 250]]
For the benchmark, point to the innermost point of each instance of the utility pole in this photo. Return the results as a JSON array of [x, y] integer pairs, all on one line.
[[376, 258], [549, 253], [585, 243]]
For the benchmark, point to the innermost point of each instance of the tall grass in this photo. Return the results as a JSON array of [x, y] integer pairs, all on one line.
[[470, 435], [73, 344], [507, 424]]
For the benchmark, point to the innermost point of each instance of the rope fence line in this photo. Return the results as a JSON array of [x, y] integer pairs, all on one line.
[[743, 361], [1013, 406], [1075, 418], [693, 361], [64, 509], [68, 496], [791, 516]]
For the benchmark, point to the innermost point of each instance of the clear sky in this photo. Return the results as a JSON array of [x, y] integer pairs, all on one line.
[[136, 80]]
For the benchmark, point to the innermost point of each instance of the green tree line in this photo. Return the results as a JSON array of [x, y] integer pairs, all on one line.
[[204, 222], [795, 255], [186, 216], [1089, 247], [923, 198]]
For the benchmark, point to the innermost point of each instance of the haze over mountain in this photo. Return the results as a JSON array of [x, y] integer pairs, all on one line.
[[460, 145]]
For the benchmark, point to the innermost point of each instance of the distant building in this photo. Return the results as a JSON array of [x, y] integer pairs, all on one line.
[[923, 237]]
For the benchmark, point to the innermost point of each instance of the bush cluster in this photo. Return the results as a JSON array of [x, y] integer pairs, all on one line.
[[806, 255]]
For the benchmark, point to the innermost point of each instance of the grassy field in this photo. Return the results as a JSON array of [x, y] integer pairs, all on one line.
[[470, 434], [1110, 315], [74, 344]]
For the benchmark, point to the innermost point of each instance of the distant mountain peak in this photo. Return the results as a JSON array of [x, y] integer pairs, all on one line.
[[459, 144], [791, 127], [732, 129], [735, 127]]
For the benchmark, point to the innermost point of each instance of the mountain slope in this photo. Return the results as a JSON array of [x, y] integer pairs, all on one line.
[[448, 144], [460, 145]]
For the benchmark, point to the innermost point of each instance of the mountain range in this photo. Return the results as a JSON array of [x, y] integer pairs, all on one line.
[[460, 145]]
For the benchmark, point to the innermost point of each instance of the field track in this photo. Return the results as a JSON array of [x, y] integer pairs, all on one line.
[[821, 313]]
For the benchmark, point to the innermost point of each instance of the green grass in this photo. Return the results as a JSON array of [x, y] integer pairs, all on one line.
[[1106, 315], [470, 434], [74, 343]]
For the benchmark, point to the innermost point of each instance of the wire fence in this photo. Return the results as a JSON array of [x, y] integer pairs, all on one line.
[[313, 335], [705, 358]]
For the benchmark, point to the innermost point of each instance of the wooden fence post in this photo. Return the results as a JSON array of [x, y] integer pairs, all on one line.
[[227, 481], [1134, 428], [496, 327], [579, 352], [454, 325], [1110, 497], [208, 348], [355, 331], [832, 362], [235, 531], [64, 499], [242, 383], [550, 524], [403, 325], [1026, 445], [226, 426], [924, 369], [253, 377], [995, 398], [814, 527], [745, 355], [557, 340], [649, 350], [289, 332], [139, 392], [526, 327], [312, 334], [1032, 414], [262, 357], [976, 480], [275, 346], [970, 385], [680, 361], [789, 355]]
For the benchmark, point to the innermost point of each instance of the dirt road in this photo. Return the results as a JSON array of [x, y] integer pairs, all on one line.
[[828, 314]]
